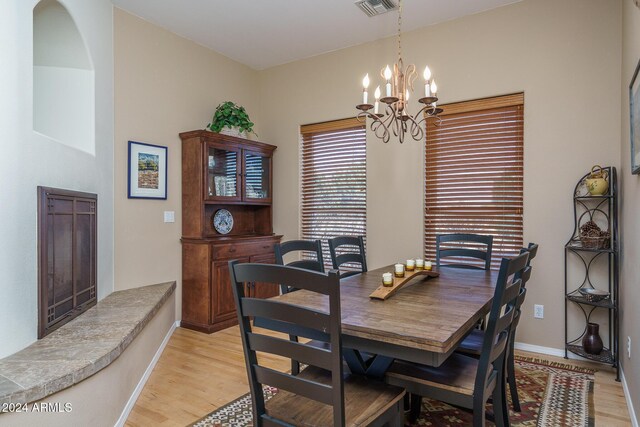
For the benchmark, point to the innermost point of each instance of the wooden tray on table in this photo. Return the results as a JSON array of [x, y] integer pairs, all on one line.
[[384, 292]]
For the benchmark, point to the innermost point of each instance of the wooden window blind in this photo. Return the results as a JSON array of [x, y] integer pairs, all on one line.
[[474, 173], [333, 181]]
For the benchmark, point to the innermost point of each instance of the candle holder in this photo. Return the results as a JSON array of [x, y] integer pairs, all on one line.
[[411, 265], [419, 264], [387, 279], [428, 266], [399, 270]]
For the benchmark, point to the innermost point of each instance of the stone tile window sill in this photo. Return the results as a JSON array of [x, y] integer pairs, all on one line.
[[82, 347]]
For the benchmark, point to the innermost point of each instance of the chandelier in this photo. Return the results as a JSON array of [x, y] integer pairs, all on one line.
[[396, 118]]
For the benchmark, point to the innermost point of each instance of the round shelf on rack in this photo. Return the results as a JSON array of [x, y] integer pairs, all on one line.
[[604, 357]]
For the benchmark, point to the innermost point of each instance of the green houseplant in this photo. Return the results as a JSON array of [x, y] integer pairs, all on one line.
[[230, 115]]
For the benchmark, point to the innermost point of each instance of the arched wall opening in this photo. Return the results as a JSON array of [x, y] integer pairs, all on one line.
[[63, 79]]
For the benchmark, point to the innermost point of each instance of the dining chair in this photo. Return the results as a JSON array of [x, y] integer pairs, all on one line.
[[321, 395], [463, 380], [341, 249], [313, 246], [472, 344], [458, 246], [281, 249]]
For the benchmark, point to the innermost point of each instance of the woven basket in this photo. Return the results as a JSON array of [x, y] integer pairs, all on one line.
[[594, 242]]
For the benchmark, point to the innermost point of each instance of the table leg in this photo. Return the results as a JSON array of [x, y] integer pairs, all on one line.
[[379, 366], [354, 360], [374, 367]]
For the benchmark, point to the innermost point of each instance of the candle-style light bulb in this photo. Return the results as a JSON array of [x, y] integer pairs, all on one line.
[[365, 85], [387, 73], [427, 77], [387, 76], [427, 73], [434, 88], [376, 94]]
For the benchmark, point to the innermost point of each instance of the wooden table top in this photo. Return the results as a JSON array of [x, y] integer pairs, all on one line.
[[430, 314]]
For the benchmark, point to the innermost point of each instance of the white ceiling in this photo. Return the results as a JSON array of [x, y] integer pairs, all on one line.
[[265, 33]]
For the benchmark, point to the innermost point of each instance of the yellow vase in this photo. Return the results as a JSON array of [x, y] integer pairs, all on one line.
[[596, 182], [597, 186]]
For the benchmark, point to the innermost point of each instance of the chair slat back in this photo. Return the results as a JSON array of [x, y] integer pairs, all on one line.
[[498, 329], [524, 276], [339, 256], [293, 320], [459, 245], [309, 246]]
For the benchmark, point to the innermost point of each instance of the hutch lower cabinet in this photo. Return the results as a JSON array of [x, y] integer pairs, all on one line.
[[207, 299], [226, 215]]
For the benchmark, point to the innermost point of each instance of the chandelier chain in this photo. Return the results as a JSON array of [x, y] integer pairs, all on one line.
[[399, 29]]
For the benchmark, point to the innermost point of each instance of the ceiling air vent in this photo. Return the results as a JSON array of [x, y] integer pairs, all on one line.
[[376, 7]]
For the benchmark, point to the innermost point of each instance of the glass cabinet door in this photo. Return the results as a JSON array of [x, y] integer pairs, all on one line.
[[257, 177], [222, 173]]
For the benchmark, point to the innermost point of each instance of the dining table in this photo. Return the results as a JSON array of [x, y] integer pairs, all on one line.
[[424, 322]]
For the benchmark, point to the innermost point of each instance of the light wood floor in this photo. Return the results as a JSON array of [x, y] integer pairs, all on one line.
[[198, 373]]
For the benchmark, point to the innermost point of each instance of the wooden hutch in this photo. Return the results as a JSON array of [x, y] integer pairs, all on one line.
[[223, 173]]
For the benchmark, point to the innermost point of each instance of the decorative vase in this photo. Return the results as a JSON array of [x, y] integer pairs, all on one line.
[[596, 182], [591, 342], [233, 132]]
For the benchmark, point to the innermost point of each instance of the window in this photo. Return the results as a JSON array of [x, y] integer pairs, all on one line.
[[333, 181], [474, 166]]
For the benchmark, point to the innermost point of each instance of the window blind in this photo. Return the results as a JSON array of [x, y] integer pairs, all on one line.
[[474, 173], [333, 181]]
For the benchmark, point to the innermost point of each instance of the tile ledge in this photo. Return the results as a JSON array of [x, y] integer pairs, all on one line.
[[110, 326]]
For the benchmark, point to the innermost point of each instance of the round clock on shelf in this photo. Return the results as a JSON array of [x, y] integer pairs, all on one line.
[[223, 221]]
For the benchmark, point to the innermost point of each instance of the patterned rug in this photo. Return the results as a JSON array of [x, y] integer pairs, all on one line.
[[551, 394]]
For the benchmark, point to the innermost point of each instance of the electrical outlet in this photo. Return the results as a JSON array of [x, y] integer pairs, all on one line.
[[538, 311], [169, 216], [629, 347]]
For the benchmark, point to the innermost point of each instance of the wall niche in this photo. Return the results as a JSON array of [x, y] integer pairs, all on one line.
[[63, 79]]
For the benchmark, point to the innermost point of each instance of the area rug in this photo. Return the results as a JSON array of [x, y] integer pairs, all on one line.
[[551, 394]]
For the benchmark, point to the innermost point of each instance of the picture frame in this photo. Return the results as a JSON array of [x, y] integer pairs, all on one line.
[[147, 171], [634, 120]]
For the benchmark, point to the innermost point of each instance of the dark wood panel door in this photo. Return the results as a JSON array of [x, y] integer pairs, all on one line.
[[223, 306], [260, 289]]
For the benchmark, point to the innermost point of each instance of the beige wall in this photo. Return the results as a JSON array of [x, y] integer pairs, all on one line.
[[630, 206], [565, 56], [164, 85]]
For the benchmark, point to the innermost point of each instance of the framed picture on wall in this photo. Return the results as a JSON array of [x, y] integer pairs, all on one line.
[[634, 120], [147, 177]]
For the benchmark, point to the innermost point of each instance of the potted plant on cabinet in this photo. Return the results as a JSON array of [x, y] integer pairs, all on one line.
[[231, 119]]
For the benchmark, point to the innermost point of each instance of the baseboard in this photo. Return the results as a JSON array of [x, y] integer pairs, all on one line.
[[539, 349], [549, 351], [147, 373], [627, 396]]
